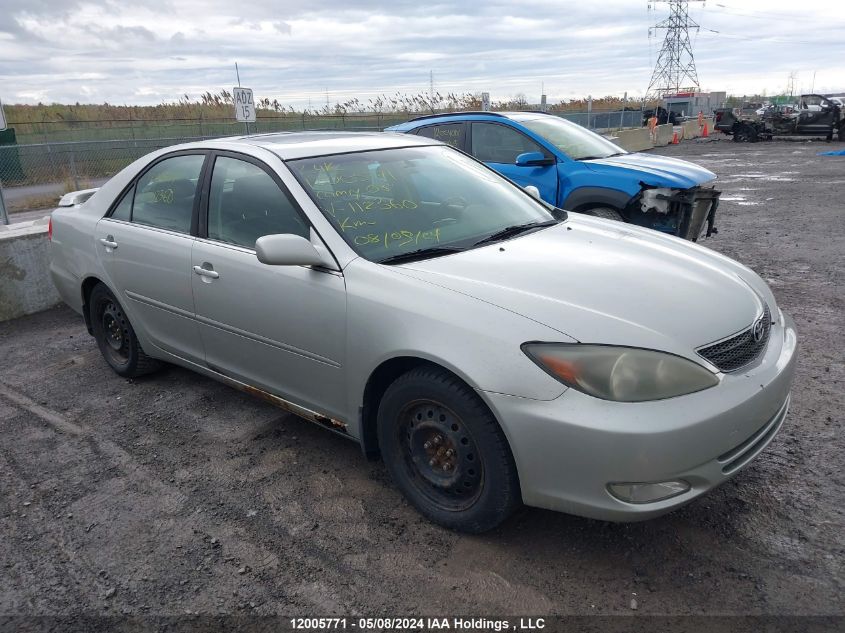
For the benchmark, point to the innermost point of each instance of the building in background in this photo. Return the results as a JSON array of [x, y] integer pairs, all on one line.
[[691, 103]]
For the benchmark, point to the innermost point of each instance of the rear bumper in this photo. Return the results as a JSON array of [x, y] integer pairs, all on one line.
[[569, 450]]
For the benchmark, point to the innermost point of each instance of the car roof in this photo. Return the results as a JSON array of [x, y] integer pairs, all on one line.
[[294, 145], [433, 119]]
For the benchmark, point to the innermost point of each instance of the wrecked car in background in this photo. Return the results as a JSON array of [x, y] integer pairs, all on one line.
[[815, 115], [578, 170]]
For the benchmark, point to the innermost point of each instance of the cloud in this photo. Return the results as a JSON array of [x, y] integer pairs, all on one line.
[[295, 50]]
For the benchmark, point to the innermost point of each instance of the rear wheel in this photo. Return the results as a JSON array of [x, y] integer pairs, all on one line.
[[115, 336], [608, 213], [745, 134], [446, 452]]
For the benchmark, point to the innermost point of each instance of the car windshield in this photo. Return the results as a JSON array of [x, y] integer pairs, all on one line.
[[575, 141], [435, 200]]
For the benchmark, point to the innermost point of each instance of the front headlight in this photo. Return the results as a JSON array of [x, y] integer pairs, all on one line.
[[622, 374]]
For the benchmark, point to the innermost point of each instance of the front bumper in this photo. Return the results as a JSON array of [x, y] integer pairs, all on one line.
[[686, 213], [569, 449]]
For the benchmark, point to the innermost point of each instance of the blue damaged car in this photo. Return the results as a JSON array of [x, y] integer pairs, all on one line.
[[579, 170]]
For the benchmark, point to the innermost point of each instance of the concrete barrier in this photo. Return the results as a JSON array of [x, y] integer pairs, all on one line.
[[691, 129], [25, 283], [664, 134], [635, 140]]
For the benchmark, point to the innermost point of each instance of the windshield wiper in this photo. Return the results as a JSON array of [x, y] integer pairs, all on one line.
[[600, 157], [510, 231], [421, 253]]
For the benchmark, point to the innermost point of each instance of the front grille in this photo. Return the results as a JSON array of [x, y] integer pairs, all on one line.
[[741, 349]]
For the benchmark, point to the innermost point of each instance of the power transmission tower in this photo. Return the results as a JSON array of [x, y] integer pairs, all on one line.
[[675, 68]]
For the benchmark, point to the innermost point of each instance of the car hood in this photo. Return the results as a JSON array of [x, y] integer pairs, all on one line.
[[604, 282], [669, 172]]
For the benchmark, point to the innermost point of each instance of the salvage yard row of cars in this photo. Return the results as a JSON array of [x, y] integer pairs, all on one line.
[[814, 115], [491, 347]]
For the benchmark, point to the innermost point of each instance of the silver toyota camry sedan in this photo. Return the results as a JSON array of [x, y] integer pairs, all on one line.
[[492, 350]]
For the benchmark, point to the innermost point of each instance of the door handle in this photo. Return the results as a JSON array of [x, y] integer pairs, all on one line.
[[108, 242], [205, 272]]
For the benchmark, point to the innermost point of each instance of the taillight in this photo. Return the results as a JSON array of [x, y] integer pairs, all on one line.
[[50, 230]]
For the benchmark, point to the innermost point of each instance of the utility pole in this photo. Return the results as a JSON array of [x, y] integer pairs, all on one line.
[[238, 75], [431, 88], [675, 67]]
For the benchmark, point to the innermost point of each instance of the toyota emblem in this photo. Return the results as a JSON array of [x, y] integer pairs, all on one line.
[[757, 331]]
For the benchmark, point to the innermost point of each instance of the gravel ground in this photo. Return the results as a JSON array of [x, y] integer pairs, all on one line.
[[173, 493]]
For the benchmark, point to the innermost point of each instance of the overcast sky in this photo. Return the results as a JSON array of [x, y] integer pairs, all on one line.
[[145, 51]]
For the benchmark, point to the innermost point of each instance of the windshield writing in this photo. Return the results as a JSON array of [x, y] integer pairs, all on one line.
[[395, 201]]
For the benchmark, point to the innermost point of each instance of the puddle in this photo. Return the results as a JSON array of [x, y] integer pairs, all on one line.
[[740, 200], [776, 178]]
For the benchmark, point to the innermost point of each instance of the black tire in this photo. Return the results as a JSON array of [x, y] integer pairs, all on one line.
[[606, 213], [115, 336], [742, 134], [446, 452]]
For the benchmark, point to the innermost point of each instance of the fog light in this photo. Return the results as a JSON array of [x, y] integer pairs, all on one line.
[[648, 492]]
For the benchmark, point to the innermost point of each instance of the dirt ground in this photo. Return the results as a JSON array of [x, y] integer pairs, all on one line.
[[174, 494]]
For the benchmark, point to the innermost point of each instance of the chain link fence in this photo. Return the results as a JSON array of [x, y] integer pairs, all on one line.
[[53, 161]]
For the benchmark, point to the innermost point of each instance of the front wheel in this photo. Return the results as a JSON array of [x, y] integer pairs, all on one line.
[[115, 336], [607, 213], [446, 452]]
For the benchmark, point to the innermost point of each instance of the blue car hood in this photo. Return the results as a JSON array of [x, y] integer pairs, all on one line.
[[660, 171]]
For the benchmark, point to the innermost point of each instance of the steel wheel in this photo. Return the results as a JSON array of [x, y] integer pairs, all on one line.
[[116, 331], [115, 336], [441, 455], [446, 452]]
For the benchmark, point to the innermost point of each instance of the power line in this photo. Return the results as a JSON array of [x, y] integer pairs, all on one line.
[[764, 39], [763, 15]]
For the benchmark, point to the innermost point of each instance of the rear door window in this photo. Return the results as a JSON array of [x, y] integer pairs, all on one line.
[[495, 143], [453, 134], [164, 195]]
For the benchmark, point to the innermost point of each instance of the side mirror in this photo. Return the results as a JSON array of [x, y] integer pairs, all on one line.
[[533, 159], [533, 191], [287, 249]]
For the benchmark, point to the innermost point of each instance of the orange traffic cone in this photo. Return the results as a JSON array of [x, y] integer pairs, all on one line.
[[675, 138], [705, 132]]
